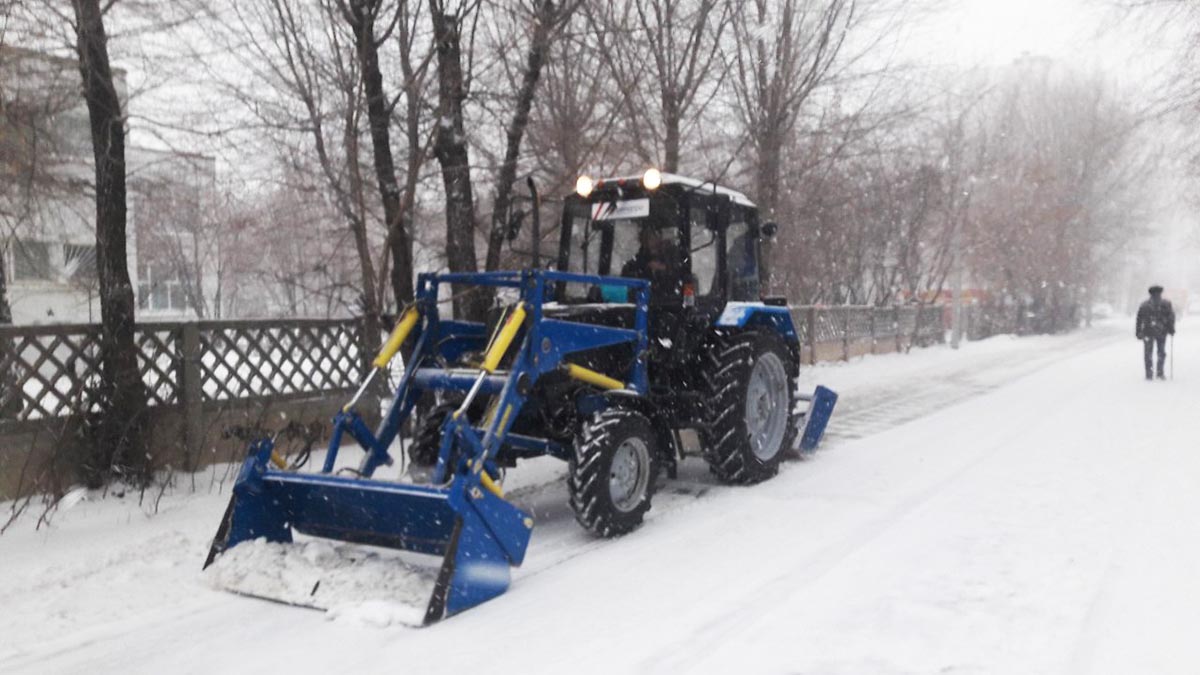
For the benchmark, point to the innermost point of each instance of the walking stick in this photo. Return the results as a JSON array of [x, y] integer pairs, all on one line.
[[1172, 356]]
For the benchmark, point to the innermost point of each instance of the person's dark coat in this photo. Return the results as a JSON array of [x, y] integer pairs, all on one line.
[[1155, 319], [662, 270]]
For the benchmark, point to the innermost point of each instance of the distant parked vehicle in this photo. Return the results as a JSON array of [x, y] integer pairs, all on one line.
[[1102, 310]]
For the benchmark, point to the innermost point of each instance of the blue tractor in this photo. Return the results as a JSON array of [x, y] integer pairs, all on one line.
[[651, 322]]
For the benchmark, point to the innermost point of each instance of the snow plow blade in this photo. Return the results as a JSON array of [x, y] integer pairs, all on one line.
[[478, 534], [820, 409]]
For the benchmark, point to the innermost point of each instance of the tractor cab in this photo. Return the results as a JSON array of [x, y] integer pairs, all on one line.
[[696, 243]]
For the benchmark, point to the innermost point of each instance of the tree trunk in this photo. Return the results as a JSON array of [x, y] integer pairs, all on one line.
[[402, 251], [544, 19], [119, 446], [770, 169], [358, 228], [769, 162], [450, 148], [5, 308], [362, 15], [671, 137], [10, 400]]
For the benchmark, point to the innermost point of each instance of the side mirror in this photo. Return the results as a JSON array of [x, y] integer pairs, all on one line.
[[769, 229]]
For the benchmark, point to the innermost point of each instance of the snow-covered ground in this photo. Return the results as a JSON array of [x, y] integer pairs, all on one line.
[[1018, 506]]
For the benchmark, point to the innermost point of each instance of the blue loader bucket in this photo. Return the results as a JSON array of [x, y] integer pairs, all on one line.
[[480, 536]]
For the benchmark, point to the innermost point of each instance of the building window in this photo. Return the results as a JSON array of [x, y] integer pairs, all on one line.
[[159, 289], [31, 260], [79, 262]]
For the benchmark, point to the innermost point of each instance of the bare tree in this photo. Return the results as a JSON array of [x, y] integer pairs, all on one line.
[[664, 56], [1061, 187], [414, 69], [120, 444], [307, 95], [362, 16], [548, 19], [9, 151], [450, 148], [575, 115], [5, 308], [783, 51]]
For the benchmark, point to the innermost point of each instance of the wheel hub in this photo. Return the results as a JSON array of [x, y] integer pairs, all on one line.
[[629, 474], [766, 411]]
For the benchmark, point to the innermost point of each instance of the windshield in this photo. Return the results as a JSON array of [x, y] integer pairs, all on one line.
[[622, 239]]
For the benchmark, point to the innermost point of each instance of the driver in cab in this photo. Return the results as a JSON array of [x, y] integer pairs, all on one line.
[[656, 261]]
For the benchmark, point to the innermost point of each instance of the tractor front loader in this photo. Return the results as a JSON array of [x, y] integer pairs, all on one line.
[[597, 365]]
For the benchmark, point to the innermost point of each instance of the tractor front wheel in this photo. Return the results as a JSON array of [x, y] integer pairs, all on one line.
[[751, 400], [427, 443], [613, 472]]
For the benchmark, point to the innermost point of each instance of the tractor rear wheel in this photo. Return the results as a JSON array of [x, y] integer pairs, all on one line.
[[751, 401], [613, 472]]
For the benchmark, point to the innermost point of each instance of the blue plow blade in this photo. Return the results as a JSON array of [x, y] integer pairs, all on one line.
[[479, 535], [820, 409]]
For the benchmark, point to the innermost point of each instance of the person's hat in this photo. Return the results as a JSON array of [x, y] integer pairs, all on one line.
[[1155, 289]]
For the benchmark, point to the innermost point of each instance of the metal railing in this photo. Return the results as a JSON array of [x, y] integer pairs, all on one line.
[[831, 333]]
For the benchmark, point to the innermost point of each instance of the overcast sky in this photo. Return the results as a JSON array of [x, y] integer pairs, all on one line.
[[1091, 34]]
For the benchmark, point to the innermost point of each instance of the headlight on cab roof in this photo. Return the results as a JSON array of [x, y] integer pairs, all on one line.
[[583, 186], [652, 179]]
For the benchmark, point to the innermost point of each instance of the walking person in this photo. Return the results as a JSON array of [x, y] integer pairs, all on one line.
[[1155, 321]]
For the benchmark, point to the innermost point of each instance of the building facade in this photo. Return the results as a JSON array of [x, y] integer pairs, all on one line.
[[47, 207]]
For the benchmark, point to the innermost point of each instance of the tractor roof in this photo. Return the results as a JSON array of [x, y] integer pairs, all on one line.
[[676, 179]]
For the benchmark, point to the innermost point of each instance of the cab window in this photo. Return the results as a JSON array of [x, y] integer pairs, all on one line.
[[704, 249], [740, 259]]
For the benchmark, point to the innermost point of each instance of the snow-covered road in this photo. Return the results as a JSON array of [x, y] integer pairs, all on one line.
[[1019, 506]]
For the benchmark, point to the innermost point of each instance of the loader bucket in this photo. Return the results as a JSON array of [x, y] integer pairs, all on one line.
[[478, 535], [820, 409]]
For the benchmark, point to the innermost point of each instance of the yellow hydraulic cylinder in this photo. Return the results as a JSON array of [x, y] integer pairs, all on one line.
[[504, 338], [490, 484], [408, 320], [592, 377], [486, 480]]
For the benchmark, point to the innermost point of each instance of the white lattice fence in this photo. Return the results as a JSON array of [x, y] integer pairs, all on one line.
[[51, 372]]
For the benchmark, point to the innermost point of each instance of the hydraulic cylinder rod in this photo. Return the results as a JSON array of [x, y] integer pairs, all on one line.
[[404, 326], [590, 376], [495, 352]]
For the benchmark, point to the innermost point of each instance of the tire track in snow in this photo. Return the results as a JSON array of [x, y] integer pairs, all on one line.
[[812, 568], [869, 413], [677, 658]]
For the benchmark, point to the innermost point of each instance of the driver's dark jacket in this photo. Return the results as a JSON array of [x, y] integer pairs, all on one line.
[[665, 282]]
